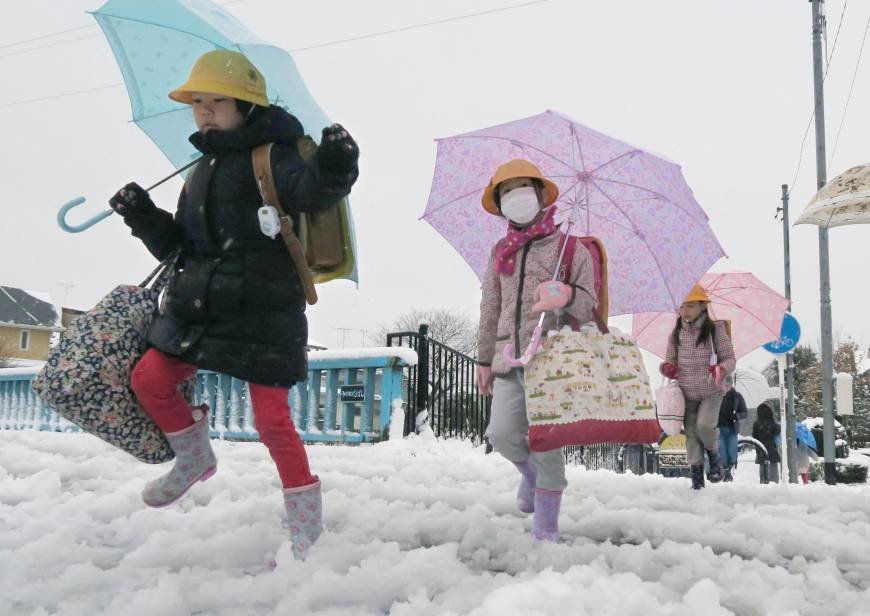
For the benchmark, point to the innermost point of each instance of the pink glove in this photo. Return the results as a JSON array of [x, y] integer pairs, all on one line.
[[551, 295], [717, 372], [669, 370], [484, 380]]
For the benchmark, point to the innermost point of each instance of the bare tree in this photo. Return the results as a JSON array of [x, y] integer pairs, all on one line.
[[5, 354], [450, 327]]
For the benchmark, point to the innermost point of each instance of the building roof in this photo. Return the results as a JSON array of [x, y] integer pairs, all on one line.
[[20, 307]]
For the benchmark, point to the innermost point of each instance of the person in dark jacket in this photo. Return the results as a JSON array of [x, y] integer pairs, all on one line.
[[731, 411], [235, 303], [765, 430]]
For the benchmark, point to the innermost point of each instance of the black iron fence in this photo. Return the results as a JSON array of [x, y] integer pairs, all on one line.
[[638, 459], [442, 388]]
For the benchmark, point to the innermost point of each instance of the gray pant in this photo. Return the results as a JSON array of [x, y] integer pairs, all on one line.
[[508, 432], [700, 426], [772, 472]]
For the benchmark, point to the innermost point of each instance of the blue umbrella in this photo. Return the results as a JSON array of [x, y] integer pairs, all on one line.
[[156, 44], [804, 435]]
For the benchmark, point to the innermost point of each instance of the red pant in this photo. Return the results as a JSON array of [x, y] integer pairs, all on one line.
[[155, 381]]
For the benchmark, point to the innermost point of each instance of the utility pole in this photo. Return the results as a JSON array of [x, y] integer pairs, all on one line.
[[791, 442], [824, 261]]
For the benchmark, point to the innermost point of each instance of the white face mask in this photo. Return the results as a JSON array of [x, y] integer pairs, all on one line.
[[521, 205]]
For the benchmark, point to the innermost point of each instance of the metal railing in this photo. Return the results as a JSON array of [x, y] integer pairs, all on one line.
[[442, 388], [346, 399], [617, 457]]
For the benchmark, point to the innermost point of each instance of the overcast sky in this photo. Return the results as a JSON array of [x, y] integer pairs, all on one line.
[[723, 88]]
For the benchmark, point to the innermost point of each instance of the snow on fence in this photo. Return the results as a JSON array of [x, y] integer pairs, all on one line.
[[349, 397]]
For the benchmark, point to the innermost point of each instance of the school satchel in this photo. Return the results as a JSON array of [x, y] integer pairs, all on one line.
[[86, 379], [587, 386], [322, 245]]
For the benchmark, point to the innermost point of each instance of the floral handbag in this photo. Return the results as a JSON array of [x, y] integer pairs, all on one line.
[[587, 387], [87, 376]]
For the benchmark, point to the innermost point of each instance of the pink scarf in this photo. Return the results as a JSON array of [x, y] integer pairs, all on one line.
[[507, 247]]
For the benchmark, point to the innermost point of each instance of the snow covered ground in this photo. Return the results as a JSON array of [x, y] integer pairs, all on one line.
[[416, 527]]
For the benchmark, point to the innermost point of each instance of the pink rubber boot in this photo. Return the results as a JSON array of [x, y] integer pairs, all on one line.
[[526, 491], [304, 520], [194, 461], [545, 525]]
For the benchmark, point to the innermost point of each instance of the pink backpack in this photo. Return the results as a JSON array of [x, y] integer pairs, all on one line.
[[599, 265]]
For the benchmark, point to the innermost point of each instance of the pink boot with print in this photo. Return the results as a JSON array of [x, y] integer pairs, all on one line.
[[194, 461], [304, 516]]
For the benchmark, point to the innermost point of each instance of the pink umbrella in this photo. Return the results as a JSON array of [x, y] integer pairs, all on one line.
[[755, 310], [657, 238]]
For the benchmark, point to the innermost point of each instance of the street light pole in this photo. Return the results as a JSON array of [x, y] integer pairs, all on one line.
[[791, 448], [824, 262]]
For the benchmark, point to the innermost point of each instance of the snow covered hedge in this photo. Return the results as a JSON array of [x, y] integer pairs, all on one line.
[[851, 470]]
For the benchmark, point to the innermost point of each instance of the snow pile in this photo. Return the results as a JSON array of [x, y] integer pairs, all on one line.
[[417, 527]]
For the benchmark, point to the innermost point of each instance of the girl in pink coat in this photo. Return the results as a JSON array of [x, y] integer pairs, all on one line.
[[517, 287], [700, 356]]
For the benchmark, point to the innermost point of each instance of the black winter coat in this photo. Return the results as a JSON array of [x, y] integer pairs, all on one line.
[[732, 409], [766, 432], [236, 304]]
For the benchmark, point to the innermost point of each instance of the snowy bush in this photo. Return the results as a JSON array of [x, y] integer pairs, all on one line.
[[846, 471]]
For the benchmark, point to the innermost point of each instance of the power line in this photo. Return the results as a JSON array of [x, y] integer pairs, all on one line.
[[849, 96], [422, 25], [62, 95], [55, 44], [813, 114], [355, 38], [58, 32], [45, 36]]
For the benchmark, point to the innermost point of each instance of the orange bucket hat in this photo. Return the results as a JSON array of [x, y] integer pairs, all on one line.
[[697, 294], [517, 168]]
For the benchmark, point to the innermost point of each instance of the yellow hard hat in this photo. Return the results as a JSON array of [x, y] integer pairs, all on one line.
[[224, 72], [697, 294], [517, 168]]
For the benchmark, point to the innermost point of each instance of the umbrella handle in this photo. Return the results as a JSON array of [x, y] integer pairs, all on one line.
[[61, 217], [534, 345]]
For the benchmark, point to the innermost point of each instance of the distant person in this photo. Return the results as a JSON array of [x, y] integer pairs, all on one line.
[[700, 356], [731, 411], [517, 287], [765, 430], [804, 453], [235, 303]]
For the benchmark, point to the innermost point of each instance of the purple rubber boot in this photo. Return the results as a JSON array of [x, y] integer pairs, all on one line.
[[304, 507], [545, 524], [526, 491], [194, 461]]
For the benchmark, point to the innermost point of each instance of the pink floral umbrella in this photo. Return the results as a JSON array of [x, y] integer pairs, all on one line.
[[657, 237], [755, 310]]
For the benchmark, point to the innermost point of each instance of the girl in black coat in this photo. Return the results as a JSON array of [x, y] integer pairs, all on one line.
[[765, 430], [235, 303]]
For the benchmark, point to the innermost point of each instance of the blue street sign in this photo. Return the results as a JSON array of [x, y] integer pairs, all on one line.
[[789, 334]]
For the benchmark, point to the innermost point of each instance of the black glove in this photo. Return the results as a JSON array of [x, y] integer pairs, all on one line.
[[338, 152], [132, 200]]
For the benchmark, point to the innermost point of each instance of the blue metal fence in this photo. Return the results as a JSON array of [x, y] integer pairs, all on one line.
[[349, 397]]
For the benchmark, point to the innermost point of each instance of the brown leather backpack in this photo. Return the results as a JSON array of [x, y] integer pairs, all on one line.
[[321, 247]]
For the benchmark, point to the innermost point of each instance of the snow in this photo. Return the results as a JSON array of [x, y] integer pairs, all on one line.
[[22, 367], [818, 422], [407, 355], [416, 527]]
